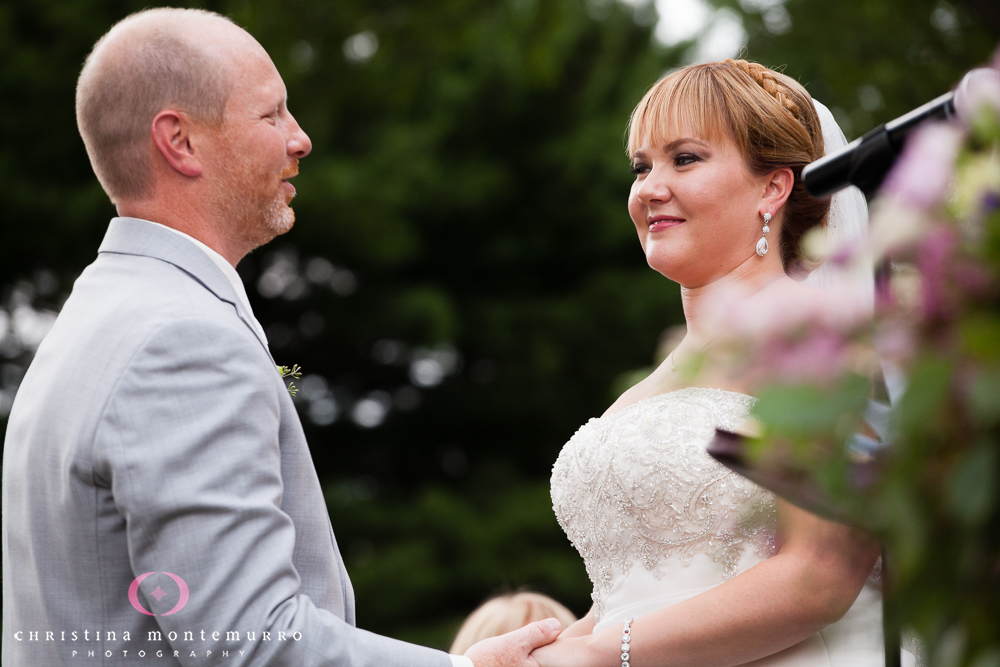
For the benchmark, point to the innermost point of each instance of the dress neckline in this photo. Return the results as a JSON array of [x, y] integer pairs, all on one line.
[[655, 397]]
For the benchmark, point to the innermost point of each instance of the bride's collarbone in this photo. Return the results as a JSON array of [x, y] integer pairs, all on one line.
[[664, 380]]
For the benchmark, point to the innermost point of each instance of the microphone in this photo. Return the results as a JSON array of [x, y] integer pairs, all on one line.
[[865, 162]]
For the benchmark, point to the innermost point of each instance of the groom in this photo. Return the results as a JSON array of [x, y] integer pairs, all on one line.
[[159, 499]]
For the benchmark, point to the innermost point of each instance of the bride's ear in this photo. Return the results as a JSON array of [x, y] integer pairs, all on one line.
[[778, 188]]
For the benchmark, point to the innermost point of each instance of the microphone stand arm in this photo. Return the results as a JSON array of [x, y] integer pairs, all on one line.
[[865, 161]]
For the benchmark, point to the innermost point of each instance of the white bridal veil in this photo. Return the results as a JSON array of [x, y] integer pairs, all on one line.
[[847, 228], [849, 269]]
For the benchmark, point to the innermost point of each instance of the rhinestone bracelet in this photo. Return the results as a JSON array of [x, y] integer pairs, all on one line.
[[626, 638]]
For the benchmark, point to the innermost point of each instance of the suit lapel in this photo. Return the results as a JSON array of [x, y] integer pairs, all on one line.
[[132, 236]]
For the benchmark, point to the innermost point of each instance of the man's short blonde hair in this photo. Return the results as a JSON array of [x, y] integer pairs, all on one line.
[[507, 613], [146, 63]]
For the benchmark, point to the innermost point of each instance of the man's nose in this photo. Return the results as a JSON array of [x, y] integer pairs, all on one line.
[[299, 144]]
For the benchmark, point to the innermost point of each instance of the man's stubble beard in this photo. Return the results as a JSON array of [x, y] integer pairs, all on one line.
[[253, 203]]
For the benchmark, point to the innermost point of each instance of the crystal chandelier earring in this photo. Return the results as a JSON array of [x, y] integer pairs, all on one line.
[[762, 243]]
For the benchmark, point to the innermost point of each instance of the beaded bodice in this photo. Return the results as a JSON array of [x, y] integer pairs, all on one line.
[[638, 487]]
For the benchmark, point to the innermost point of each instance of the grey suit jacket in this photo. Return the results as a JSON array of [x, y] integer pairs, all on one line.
[[152, 434]]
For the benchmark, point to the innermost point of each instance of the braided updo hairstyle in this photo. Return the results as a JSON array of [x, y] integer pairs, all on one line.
[[769, 116]]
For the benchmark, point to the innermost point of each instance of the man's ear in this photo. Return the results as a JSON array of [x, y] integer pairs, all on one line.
[[779, 188], [172, 135]]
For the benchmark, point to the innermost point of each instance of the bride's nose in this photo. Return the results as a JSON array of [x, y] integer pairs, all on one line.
[[653, 189]]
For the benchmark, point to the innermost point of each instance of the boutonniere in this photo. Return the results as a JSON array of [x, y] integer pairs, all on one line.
[[295, 373]]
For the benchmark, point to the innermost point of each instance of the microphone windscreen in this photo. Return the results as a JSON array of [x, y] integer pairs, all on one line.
[[978, 87]]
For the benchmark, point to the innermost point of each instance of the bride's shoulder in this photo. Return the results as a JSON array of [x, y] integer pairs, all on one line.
[[664, 380], [657, 382]]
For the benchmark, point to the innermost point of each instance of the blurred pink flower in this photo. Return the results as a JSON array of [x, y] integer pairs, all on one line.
[[788, 331], [933, 257], [978, 89], [846, 254], [923, 172], [896, 341], [973, 279], [737, 312], [884, 298], [819, 356]]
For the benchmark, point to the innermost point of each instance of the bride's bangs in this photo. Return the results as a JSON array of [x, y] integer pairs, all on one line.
[[684, 102]]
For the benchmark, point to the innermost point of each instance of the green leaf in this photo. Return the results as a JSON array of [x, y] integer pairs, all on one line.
[[926, 394], [972, 485], [805, 410], [294, 372], [899, 514], [981, 336], [988, 658], [984, 399]]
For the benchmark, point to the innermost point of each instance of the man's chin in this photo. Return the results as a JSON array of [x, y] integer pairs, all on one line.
[[280, 221], [272, 224]]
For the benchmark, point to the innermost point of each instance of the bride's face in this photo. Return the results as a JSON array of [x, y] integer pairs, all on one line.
[[697, 208]]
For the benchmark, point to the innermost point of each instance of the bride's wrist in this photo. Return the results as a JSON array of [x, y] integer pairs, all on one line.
[[597, 650], [605, 648]]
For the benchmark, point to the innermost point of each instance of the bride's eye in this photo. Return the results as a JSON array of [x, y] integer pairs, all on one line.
[[685, 159], [639, 168]]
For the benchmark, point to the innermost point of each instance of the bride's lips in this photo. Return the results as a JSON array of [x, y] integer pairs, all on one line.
[[658, 223]]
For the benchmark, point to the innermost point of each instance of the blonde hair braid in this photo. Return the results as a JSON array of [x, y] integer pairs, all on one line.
[[767, 79]]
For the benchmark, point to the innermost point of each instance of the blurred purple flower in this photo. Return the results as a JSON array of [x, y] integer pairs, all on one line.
[[933, 257], [972, 279], [896, 341], [791, 333], [884, 298], [818, 357], [735, 311], [978, 89], [846, 254], [923, 172]]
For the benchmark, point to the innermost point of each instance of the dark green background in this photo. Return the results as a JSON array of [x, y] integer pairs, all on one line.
[[472, 176]]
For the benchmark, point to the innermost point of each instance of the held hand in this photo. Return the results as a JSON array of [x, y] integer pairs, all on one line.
[[567, 652], [513, 648]]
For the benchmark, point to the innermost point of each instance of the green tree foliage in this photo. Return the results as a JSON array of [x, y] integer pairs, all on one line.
[[868, 61]]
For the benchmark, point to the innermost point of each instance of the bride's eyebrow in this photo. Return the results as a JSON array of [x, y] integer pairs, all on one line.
[[684, 140]]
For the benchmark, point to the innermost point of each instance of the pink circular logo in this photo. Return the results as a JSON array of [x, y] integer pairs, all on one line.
[[133, 594]]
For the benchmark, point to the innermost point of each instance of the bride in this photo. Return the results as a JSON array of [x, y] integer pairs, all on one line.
[[692, 564]]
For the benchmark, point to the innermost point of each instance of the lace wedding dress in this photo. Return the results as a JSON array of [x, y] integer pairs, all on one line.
[[658, 521]]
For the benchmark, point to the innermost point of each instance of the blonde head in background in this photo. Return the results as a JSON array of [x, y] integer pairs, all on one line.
[[507, 613]]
